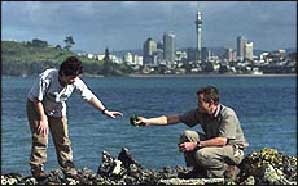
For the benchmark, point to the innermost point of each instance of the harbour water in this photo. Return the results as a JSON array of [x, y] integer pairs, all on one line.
[[266, 107]]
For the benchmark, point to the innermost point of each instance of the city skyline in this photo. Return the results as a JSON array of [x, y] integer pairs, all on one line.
[[126, 25]]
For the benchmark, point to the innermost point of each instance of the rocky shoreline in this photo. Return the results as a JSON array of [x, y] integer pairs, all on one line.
[[265, 167]]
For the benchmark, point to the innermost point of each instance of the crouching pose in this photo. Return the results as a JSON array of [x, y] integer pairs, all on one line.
[[222, 141]]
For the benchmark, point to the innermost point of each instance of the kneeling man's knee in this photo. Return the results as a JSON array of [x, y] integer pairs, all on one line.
[[205, 156]]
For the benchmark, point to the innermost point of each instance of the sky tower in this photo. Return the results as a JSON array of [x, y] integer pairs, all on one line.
[[199, 36]]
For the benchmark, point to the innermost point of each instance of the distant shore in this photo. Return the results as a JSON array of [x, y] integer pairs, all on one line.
[[212, 75], [177, 75]]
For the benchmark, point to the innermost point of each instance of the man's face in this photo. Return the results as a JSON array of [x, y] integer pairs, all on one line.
[[68, 80], [203, 106]]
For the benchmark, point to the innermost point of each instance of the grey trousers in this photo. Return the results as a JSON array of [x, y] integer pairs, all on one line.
[[210, 160]]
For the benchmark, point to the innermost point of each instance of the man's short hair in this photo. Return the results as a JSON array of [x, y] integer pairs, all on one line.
[[72, 66], [209, 93]]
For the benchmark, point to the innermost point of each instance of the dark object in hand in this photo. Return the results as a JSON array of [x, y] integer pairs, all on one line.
[[134, 119]]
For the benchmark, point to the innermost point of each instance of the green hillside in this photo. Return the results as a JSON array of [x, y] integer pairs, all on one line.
[[22, 52], [19, 58]]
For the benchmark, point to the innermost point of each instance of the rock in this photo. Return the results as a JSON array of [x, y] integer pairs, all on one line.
[[266, 167]]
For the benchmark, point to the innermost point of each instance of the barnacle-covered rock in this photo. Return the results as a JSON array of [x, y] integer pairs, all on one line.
[[266, 167], [194, 181]]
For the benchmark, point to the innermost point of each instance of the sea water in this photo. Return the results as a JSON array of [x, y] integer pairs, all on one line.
[[266, 108]]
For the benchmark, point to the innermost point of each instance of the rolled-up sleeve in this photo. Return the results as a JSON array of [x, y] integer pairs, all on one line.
[[190, 118], [83, 89], [228, 125]]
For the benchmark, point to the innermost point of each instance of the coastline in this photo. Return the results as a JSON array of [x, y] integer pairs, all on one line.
[[136, 75], [211, 75], [271, 168]]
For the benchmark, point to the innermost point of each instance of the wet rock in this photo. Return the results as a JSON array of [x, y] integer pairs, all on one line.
[[126, 158], [266, 167], [194, 181]]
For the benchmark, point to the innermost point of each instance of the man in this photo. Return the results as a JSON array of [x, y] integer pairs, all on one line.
[[46, 108], [222, 142]]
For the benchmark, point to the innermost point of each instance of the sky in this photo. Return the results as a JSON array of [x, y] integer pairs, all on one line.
[[125, 25]]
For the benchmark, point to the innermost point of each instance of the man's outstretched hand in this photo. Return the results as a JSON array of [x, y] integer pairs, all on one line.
[[113, 114], [138, 121]]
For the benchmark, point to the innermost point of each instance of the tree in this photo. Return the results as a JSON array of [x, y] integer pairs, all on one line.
[[108, 66], [68, 42], [107, 56]]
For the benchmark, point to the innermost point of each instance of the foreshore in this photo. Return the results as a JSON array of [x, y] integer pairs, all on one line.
[[265, 167], [138, 75], [213, 75]]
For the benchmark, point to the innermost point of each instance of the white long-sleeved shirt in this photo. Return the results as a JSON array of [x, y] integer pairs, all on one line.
[[53, 96]]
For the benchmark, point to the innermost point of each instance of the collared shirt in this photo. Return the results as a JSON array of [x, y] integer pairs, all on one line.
[[53, 96], [223, 123]]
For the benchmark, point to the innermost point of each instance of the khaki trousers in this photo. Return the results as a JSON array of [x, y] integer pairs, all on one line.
[[58, 128], [211, 160]]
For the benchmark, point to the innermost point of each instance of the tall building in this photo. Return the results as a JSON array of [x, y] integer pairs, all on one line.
[[199, 36], [206, 53], [234, 55], [191, 55], [169, 47], [150, 47], [249, 51], [228, 55], [241, 41], [158, 57], [159, 45]]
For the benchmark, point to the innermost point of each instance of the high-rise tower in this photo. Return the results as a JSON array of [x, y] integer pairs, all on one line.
[[199, 36], [150, 46], [249, 51], [241, 41], [169, 47]]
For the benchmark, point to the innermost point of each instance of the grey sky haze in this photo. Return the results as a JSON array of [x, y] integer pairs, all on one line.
[[127, 24]]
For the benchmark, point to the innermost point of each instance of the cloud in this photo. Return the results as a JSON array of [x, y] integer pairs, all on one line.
[[129, 22]]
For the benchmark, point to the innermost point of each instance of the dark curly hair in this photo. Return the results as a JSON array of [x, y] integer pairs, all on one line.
[[209, 93], [72, 66]]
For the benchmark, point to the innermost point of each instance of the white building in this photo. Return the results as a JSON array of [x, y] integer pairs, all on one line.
[[249, 50], [128, 58], [90, 56], [133, 59], [115, 59], [100, 57], [181, 55], [138, 60]]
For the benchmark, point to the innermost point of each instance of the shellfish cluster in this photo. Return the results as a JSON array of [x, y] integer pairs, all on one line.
[[268, 166], [265, 167]]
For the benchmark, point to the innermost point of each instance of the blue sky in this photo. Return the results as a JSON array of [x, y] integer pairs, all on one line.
[[127, 24]]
